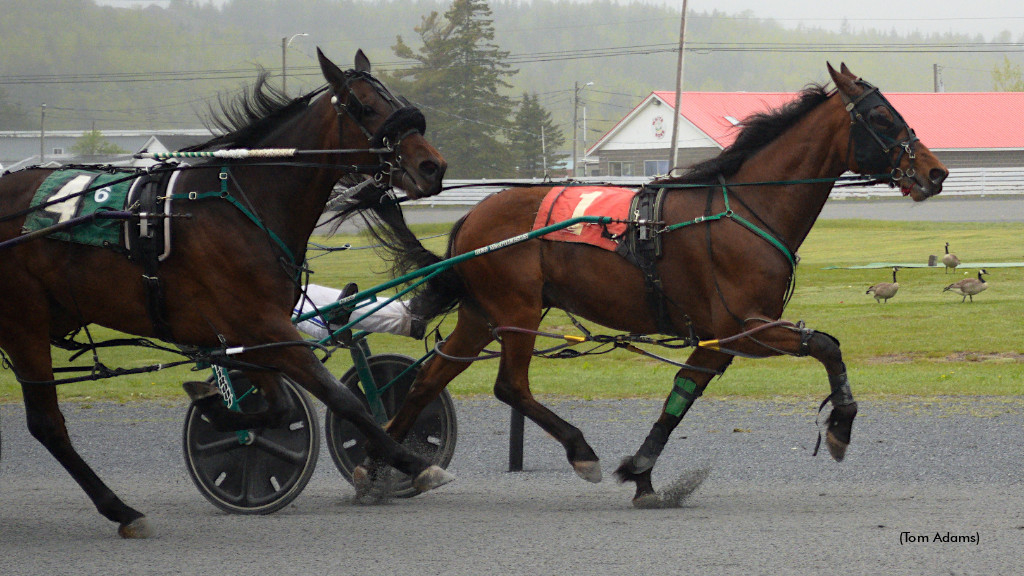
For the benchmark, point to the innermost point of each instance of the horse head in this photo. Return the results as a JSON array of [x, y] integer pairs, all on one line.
[[389, 123], [881, 141]]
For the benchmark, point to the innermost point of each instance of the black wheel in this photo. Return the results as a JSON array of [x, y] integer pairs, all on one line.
[[433, 435], [255, 471]]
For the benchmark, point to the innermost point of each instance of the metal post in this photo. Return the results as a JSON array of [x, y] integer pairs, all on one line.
[[679, 87], [575, 132], [284, 65], [515, 441], [285, 43], [42, 134]]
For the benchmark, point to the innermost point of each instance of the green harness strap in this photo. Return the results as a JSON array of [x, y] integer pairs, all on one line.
[[728, 213], [225, 194]]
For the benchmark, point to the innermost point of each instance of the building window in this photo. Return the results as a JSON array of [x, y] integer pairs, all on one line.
[[655, 167], [57, 151], [620, 168]]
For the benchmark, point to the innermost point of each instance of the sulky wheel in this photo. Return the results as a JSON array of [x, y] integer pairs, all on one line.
[[433, 435], [254, 471]]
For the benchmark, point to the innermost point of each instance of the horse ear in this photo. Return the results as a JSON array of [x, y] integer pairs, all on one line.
[[334, 76], [362, 62], [843, 81], [845, 70]]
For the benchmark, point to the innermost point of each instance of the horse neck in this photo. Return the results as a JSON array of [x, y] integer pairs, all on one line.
[[291, 200], [813, 148]]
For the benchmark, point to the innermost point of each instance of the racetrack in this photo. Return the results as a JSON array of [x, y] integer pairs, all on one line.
[[924, 467]]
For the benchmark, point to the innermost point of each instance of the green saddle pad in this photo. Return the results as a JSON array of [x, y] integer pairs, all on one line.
[[105, 192]]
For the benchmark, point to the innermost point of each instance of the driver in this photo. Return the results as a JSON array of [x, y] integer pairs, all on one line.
[[394, 318]]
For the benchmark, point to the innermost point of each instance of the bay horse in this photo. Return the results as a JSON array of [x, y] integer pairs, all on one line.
[[730, 230], [232, 278]]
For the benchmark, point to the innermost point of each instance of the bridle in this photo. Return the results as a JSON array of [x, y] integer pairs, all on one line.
[[404, 121], [877, 152]]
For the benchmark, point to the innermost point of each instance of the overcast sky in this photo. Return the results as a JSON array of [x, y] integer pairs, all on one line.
[[986, 17]]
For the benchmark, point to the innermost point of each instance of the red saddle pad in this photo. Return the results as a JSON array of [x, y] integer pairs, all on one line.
[[565, 202]]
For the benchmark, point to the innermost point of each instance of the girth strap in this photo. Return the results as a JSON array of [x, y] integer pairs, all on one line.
[[146, 242], [641, 245]]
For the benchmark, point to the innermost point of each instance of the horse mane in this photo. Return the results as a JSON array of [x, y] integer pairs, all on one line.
[[757, 131], [246, 118]]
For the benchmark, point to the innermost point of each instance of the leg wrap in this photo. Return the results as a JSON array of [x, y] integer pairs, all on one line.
[[841, 395], [684, 392]]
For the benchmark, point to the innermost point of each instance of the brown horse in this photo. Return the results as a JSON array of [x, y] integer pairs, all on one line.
[[232, 277], [729, 232]]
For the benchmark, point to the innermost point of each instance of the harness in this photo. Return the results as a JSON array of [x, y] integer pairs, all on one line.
[[878, 151], [404, 121]]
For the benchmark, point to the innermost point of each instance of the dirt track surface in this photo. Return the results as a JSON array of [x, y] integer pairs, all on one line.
[[947, 468]]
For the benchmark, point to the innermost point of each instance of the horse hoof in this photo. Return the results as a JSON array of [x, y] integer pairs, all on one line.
[[138, 528], [836, 447], [588, 470], [361, 480], [431, 478], [647, 501]]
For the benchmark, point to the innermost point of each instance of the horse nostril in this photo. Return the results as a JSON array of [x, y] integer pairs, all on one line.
[[937, 175], [428, 168]]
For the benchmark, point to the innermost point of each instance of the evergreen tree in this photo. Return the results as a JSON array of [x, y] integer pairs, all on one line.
[[532, 138], [457, 79]]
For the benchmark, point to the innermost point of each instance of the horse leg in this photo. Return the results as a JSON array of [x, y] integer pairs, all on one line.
[[512, 387], [303, 367], [30, 357], [467, 340], [689, 384], [823, 347]]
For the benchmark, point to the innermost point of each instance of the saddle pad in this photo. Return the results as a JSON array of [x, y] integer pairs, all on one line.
[[101, 196], [567, 202]]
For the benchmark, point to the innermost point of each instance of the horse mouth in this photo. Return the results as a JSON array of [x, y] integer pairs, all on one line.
[[918, 193], [418, 185]]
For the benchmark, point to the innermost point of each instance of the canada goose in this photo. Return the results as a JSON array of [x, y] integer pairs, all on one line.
[[950, 260], [885, 290], [968, 287]]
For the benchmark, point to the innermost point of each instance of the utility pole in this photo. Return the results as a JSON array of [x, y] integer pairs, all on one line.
[[543, 152], [42, 134], [937, 78], [285, 42], [576, 125], [679, 87]]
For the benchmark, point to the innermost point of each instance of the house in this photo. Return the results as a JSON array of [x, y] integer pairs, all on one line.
[[976, 134], [21, 148]]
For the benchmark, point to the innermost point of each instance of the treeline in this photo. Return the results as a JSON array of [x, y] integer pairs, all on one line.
[[161, 67]]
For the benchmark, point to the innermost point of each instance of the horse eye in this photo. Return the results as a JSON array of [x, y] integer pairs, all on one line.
[[881, 119]]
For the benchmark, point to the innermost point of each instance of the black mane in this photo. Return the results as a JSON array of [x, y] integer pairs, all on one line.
[[246, 118], [758, 130]]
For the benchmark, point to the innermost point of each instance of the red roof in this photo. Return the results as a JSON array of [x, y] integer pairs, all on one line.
[[944, 120]]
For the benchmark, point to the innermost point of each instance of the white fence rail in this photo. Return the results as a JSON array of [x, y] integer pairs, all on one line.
[[962, 182]]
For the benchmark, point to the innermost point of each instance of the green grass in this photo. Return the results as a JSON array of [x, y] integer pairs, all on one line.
[[923, 342]]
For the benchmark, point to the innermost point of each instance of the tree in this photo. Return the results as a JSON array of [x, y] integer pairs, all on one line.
[[1007, 77], [457, 81], [92, 143], [532, 137]]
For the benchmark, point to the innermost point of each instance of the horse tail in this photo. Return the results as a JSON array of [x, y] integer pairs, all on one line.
[[406, 254]]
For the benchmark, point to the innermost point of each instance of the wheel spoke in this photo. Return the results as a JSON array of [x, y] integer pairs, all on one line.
[[296, 457], [226, 444]]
